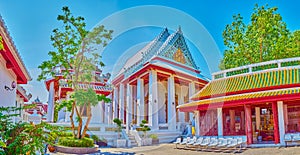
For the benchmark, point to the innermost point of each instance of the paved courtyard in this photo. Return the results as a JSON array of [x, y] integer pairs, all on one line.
[[169, 149]]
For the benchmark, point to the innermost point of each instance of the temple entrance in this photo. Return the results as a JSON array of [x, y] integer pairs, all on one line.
[[262, 124]]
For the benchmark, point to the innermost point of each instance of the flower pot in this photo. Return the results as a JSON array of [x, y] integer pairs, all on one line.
[[101, 144], [51, 148], [155, 141]]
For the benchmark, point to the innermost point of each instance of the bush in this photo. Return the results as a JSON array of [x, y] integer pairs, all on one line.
[[73, 142], [153, 136], [95, 138], [65, 134]]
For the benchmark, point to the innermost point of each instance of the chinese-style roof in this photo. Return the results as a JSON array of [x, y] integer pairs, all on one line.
[[263, 82], [250, 83], [12, 56], [246, 97]]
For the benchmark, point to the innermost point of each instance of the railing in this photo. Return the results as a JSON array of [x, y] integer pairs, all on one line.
[[259, 67], [86, 86], [136, 137], [126, 137]]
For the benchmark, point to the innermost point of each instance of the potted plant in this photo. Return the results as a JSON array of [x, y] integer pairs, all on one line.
[[102, 142], [145, 128], [119, 142], [95, 138], [154, 138]]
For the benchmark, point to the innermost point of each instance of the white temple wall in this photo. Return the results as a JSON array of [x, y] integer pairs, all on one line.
[[8, 98]]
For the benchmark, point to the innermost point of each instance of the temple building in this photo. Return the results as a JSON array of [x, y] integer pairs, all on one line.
[[260, 102], [58, 88], [156, 79], [13, 72], [39, 108]]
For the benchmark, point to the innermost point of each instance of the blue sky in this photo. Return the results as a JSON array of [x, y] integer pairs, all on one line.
[[30, 24]]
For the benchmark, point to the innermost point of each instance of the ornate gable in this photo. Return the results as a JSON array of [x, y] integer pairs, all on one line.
[[179, 57], [175, 48]]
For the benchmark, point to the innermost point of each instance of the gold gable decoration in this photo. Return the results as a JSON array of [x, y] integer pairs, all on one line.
[[179, 57]]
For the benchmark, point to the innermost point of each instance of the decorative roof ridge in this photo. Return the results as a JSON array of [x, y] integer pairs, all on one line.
[[148, 54], [170, 40], [167, 42], [156, 41], [2, 24]]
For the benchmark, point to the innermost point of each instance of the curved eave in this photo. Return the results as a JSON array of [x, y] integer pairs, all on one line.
[[23, 96], [12, 56]]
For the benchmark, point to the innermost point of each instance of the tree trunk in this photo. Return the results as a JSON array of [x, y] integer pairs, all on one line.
[[71, 119], [79, 123], [89, 113]]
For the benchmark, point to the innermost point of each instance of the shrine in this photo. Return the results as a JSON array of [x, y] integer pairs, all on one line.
[[259, 101]]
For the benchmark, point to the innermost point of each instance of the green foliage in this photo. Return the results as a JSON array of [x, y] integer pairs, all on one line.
[[73, 142], [153, 136], [265, 38], [95, 138], [22, 137], [103, 98], [119, 124], [144, 127]]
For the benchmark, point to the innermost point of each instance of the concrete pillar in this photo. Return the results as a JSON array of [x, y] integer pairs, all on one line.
[[140, 100], [121, 102], [197, 122], [115, 103], [153, 100], [101, 111], [285, 114], [106, 114], [181, 101], [171, 104], [134, 105], [257, 117], [275, 120], [128, 106], [50, 113], [281, 122], [248, 117], [192, 90], [220, 121], [232, 121]]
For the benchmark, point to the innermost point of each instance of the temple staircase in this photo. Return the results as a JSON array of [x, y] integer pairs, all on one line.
[[132, 140]]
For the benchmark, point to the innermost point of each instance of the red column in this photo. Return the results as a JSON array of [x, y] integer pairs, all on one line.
[[275, 119], [248, 118]]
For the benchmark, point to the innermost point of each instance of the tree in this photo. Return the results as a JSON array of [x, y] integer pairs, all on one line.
[[265, 38], [76, 58]]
